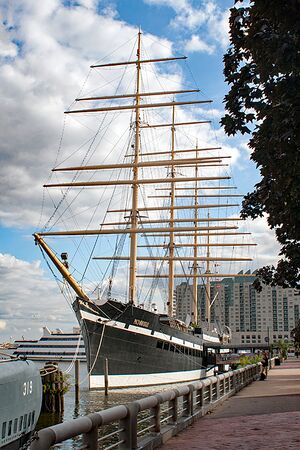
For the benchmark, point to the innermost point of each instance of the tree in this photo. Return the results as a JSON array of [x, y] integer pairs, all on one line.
[[295, 334], [262, 67], [283, 348]]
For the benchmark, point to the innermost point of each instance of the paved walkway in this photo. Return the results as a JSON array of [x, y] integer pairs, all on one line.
[[263, 416]]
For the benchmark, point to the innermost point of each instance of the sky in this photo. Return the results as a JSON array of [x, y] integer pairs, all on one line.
[[46, 49]]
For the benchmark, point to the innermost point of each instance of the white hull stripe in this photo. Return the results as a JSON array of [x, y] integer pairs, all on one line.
[[123, 381], [139, 330]]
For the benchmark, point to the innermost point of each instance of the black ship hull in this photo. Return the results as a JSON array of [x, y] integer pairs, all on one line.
[[141, 348]]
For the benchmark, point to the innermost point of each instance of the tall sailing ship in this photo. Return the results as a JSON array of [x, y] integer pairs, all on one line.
[[165, 199]]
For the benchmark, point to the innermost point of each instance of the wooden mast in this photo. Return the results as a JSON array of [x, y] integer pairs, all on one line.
[[172, 213], [135, 223], [195, 264], [207, 285], [135, 187]]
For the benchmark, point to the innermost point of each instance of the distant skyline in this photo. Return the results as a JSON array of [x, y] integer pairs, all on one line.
[[46, 49]]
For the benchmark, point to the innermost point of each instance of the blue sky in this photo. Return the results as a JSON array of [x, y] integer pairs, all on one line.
[[45, 50]]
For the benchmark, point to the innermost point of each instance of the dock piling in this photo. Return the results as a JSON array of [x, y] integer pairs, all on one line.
[[105, 376], [77, 378], [54, 387]]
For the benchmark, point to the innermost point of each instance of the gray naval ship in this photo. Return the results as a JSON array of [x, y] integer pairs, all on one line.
[[20, 401]]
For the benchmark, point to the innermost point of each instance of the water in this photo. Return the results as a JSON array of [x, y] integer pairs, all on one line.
[[91, 401]]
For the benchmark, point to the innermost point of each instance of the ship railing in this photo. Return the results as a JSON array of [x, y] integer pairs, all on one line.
[[149, 422]]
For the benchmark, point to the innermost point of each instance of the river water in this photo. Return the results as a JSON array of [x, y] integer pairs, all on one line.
[[91, 400]]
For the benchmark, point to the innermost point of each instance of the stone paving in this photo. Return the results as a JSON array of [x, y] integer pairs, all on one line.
[[263, 416]]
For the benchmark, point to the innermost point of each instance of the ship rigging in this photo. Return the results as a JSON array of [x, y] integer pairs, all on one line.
[[144, 347]]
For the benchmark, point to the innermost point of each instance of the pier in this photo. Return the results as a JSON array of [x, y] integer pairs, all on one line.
[[238, 414], [264, 415]]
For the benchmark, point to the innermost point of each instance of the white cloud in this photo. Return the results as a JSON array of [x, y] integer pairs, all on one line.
[[29, 300], [56, 46], [196, 44], [266, 242], [175, 4], [208, 18], [219, 28], [7, 48]]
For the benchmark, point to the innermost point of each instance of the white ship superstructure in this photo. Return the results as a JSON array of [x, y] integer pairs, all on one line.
[[54, 346]]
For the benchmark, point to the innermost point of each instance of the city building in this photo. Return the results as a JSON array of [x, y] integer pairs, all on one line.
[[253, 317]]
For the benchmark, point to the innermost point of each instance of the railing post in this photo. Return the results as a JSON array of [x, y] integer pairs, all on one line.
[[227, 385], [90, 439], [186, 405], [155, 421], [201, 395], [210, 390], [217, 389], [173, 404], [234, 381], [129, 427], [191, 400]]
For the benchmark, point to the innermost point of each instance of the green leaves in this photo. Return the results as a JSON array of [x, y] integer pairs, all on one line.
[[262, 68], [295, 334]]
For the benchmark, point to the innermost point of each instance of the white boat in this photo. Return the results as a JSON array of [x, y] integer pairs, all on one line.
[[53, 346]]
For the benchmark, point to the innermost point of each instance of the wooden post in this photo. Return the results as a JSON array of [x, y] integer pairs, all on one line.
[[77, 367], [53, 391], [105, 376], [58, 388]]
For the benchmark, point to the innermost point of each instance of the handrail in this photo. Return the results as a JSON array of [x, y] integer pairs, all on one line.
[[168, 413]]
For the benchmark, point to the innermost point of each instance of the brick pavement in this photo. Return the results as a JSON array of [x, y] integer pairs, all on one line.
[[263, 416]]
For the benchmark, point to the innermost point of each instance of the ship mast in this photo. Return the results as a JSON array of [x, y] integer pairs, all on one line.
[[207, 285], [135, 187], [195, 264], [168, 227], [172, 213]]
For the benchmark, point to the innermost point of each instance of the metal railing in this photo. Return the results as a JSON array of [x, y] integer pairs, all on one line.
[[151, 421]]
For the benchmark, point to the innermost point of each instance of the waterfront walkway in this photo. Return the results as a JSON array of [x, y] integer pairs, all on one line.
[[263, 416]]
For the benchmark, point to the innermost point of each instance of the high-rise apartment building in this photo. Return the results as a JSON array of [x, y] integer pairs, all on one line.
[[253, 317]]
